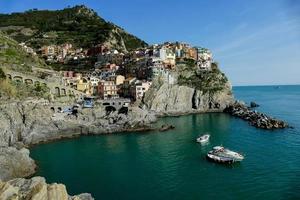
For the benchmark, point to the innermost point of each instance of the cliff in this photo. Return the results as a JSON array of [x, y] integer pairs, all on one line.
[[32, 122], [192, 91], [15, 163], [36, 189]]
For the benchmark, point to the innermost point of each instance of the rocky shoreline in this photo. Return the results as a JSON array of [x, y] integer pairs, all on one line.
[[32, 122], [36, 188], [257, 119]]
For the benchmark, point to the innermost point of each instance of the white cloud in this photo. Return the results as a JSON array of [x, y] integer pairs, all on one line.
[[279, 30]]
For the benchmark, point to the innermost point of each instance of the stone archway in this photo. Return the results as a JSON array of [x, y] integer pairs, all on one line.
[[63, 92], [57, 91], [28, 81], [18, 79], [123, 110], [110, 109]]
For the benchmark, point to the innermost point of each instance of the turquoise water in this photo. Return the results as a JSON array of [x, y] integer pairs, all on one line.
[[171, 165]]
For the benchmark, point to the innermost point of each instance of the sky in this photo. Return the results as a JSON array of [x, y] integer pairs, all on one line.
[[255, 42]]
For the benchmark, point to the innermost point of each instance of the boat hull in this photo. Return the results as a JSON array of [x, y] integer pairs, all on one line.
[[222, 152], [219, 159]]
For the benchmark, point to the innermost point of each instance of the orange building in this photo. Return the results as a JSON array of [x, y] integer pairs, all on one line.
[[107, 89]]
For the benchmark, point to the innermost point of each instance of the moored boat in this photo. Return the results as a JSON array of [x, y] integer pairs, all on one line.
[[219, 159], [203, 138], [166, 127], [223, 152]]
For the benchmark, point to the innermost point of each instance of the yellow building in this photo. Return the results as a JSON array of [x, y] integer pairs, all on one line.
[[120, 80], [85, 86]]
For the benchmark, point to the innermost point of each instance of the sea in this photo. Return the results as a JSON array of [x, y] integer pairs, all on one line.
[[171, 165]]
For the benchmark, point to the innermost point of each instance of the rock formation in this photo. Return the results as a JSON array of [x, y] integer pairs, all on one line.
[[32, 122], [191, 92], [177, 99], [255, 118], [36, 188], [15, 163]]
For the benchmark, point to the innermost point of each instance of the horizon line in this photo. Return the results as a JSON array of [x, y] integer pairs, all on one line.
[[297, 84]]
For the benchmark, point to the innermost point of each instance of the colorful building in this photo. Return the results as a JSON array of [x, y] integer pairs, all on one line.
[[138, 90], [107, 90]]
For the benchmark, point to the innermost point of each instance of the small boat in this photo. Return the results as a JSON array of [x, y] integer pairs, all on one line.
[[221, 151], [166, 127], [203, 138], [219, 159]]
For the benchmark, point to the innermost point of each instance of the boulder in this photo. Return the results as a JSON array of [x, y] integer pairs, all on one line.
[[15, 163], [253, 104], [36, 188]]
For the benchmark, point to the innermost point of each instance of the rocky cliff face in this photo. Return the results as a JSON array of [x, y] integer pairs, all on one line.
[[15, 163], [177, 99], [33, 122], [192, 92], [36, 189]]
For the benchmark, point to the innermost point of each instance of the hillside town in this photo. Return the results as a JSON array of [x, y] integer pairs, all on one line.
[[117, 74]]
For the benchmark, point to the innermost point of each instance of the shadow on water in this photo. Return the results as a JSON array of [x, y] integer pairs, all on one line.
[[234, 165]]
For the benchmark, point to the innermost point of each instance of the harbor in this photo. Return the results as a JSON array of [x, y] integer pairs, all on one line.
[[170, 162]]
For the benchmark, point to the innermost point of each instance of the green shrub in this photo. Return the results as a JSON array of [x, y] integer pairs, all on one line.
[[7, 90], [2, 74], [206, 81]]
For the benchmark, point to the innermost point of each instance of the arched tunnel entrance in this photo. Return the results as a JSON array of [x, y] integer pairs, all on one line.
[[57, 91], [63, 92], [29, 81], [18, 79], [110, 109], [123, 110]]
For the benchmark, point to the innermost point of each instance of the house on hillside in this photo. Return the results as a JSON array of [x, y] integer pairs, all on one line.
[[107, 89], [138, 90], [168, 56]]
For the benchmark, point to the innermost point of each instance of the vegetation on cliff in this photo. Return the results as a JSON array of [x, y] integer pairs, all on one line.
[[78, 25], [206, 80], [17, 90], [13, 57]]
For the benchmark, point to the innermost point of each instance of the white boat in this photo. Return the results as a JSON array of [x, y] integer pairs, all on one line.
[[219, 159], [203, 138], [223, 152]]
